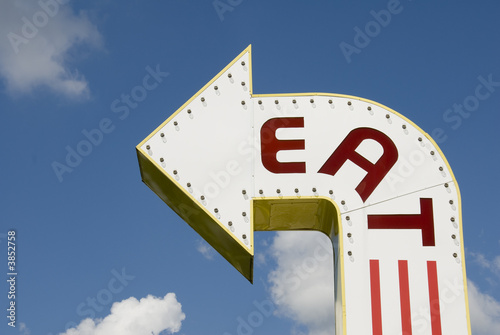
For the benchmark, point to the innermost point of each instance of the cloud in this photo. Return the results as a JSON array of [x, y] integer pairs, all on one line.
[[484, 311], [480, 259], [136, 317], [39, 40], [302, 283], [492, 265], [23, 329], [205, 249], [260, 259]]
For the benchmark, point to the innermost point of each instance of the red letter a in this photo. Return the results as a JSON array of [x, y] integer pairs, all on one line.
[[347, 151]]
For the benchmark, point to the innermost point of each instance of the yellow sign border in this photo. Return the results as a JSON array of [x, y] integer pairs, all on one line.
[[236, 253]]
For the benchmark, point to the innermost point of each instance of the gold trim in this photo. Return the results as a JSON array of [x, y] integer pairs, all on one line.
[[339, 222], [175, 196], [440, 153], [318, 213]]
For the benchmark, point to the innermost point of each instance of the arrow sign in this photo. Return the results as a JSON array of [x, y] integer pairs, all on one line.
[[230, 162]]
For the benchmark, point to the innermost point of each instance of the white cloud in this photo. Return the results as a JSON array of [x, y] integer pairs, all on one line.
[[492, 265], [496, 264], [484, 311], [23, 329], [480, 259], [302, 283], [136, 317], [37, 44], [260, 259], [205, 249]]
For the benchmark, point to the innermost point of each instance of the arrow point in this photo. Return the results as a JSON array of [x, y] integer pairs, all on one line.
[[194, 162]]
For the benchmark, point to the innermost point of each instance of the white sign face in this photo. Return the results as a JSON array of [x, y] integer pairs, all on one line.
[[230, 162]]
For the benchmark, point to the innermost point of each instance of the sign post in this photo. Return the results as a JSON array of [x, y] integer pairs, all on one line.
[[230, 162]]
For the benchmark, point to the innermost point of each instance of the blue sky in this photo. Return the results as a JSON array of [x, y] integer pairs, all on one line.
[[94, 234]]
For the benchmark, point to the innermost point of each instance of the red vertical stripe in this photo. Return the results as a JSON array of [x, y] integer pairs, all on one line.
[[434, 297], [404, 295], [375, 291]]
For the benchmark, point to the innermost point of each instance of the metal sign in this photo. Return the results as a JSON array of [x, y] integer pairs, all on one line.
[[230, 162]]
